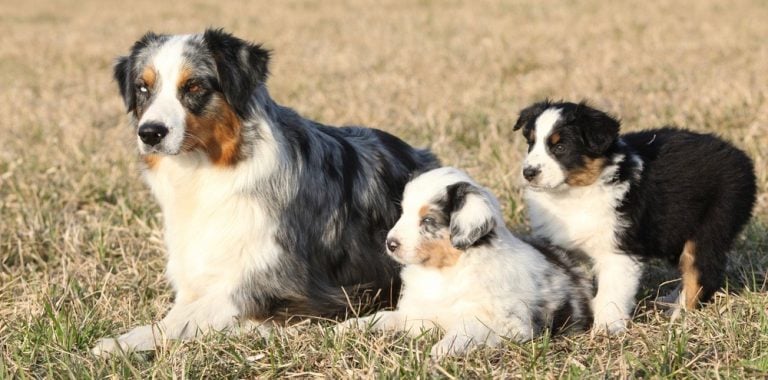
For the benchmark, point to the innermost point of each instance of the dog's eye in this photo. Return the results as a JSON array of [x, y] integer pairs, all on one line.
[[142, 88], [428, 221], [558, 149], [194, 88]]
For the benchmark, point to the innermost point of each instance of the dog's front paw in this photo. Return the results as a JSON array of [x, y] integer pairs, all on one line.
[[451, 345], [139, 339], [611, 323], [352, 324]]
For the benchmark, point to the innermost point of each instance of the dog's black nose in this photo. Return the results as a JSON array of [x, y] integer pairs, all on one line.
[[152, 133], [392, 245], [530, 173]]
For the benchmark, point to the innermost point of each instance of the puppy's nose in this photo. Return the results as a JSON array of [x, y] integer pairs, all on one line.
[[392, 245], [531, 172], [152, 133]]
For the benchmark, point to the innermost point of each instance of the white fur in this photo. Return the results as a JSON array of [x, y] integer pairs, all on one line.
[[552, 174], [585, 218], [166, 107], [215, 234], [488, 294]]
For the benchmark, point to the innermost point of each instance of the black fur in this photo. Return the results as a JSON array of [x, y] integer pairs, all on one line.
[[242, 67], [464, 236]]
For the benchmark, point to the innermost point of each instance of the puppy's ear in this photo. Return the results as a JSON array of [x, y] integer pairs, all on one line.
[[530, 113], [124, 79], [241, 66], [471, 215], [598, 129]]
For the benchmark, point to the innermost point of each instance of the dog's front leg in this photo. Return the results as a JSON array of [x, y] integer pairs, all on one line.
[[385, 320], [618, 277], [183, 321]]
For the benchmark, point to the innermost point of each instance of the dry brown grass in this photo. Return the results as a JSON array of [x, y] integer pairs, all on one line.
[[80, 245]]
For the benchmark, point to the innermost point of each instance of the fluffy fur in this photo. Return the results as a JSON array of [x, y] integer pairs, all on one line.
[[666, 193], [267, 215], [466, 273]]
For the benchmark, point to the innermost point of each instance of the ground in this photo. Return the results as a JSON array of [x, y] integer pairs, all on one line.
[[81, 253]]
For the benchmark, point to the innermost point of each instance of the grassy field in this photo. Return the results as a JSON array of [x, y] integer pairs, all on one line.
[[81, 253]]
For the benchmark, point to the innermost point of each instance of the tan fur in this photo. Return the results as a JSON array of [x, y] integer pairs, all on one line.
[[149, 76], [587, 174], [217, 132], [151, 160], [438, 253], [691, 285], [554, 138]]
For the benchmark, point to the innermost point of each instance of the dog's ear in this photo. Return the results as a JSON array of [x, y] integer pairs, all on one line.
[[598, 129], [241, 66], [472, 215], [530, 114], [124, 79]]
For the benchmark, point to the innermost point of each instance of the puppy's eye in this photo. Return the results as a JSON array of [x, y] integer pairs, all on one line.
[[428, 221], [558, 149]]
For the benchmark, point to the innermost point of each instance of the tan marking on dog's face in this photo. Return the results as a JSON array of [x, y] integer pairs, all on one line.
[[438, 253], [423, 211], [691, 286], [587, 174], [554, 138], [217, 132], [151, 160], [184, 76], [149, 76]]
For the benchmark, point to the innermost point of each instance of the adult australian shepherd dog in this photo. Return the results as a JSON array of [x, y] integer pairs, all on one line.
[[667, 193], [267, 215]]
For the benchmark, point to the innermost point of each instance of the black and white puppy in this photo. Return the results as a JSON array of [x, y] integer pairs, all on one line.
[[666, 193], [466, 273], [267, 215]]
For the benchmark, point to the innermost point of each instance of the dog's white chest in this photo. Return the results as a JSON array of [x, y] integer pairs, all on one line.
[[582, 218], [215, 235]]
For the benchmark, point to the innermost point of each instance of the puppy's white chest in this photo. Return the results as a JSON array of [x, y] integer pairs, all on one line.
[[583, 218]]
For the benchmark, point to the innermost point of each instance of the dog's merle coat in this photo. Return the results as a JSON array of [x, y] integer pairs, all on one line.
[[268, 215], [664, 193]]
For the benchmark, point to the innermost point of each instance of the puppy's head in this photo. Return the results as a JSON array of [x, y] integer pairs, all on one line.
[[568, 144], [444, 214], [190, 92]]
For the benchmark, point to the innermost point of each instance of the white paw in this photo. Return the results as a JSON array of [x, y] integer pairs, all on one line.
[[142, 338], [450, 346], [351, 324], [610, 322]]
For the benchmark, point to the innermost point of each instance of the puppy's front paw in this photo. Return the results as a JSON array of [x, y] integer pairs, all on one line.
[[610, 323], [139, 339]]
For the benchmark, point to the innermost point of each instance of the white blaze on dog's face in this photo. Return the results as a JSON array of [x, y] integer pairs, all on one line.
[[539, 158], [569, 144], [158, 91], [444, 213], [190, 93]]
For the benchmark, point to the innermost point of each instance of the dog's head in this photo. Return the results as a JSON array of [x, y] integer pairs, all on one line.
[[191, 92], [444, 214], [568, 144]]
